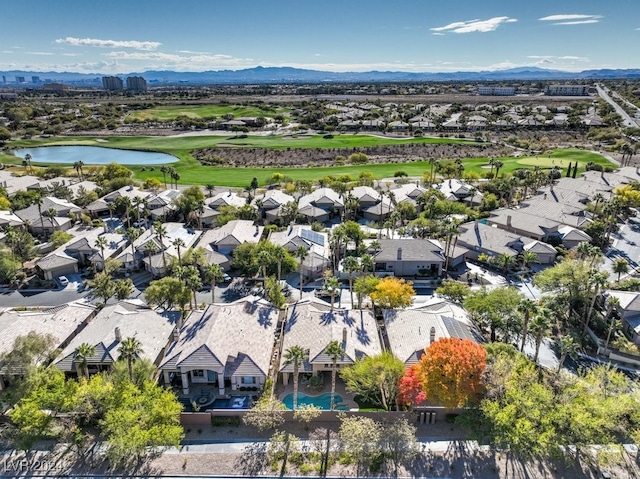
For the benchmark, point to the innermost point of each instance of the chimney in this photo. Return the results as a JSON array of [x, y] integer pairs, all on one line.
[[175, 335], [544, 197], [344, 336], [118, 335], [417, 182], [432, 335], [399, 254], [509, 221]]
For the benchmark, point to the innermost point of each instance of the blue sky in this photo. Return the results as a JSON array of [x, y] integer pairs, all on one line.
[[118, 36]]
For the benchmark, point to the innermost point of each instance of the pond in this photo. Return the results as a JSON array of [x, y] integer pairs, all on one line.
[[93, 155]]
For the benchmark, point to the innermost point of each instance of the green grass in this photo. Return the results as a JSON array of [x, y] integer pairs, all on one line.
[[192, 172], [164, 113]]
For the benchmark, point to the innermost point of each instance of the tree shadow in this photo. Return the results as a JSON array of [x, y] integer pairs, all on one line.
[[253, 460]]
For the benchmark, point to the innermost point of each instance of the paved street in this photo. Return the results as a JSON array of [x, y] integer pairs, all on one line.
[[627, 120]]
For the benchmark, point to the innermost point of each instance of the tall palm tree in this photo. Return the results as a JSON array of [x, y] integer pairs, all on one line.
[[130, 349], [213, 273], [334, 350], [540, 326], [497, 164], [52, 213], [39, 200], [178, 243], [296, 356], [164, 169], [332, 285], [367, 263], [612, 304], [620, 266], [301, 254], [101, 242], [78, 167], [82, 354], [139, 205], [351, 265], [150, 248], [280, 254], [568, 347], [161, 231], [264, 258], [133, 234], [527, 307]]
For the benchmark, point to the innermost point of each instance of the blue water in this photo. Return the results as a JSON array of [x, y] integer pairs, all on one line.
[[323, 401], [93, 155]]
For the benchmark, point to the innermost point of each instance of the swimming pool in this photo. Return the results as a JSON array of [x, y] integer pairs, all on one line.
[[322, 401]]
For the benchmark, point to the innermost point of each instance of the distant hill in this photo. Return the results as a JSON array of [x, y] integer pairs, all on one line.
[[298, 75]]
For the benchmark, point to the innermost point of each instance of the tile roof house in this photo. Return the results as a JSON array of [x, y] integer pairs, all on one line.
[[226, 198], [46, 224], [629, 309], [520, 222], [312, 325], [228, 237], [230, 343], [62, 322], [410, 257], [413, 329], [56, 263], [324, 199], [113, 324], [316, 243], [155, 263], [479, 239]]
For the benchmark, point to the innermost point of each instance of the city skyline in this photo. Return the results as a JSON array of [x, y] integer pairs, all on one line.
[[124, 37]]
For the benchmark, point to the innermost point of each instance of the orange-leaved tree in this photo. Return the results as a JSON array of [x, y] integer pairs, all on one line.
[[452, 371], [410, 390]]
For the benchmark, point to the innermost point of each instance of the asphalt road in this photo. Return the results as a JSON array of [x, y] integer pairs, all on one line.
[[627, 120]]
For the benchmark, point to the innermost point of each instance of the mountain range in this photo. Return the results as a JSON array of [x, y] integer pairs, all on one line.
[[297, 75]]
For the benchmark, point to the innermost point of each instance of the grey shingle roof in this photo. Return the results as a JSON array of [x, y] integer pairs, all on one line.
[[311, 325], [153, 330], [412, 250], [487, 238], [226, 334]]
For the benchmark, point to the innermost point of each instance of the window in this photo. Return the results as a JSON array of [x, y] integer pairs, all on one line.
[[247, 380], [197, 373]]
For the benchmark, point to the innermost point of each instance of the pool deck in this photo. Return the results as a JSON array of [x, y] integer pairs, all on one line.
[[347, 398]]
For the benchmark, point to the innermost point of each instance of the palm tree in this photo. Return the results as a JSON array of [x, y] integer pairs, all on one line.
[[133, 234], [332, 285], [178, 243], [27, 160], [351, 265], [497, 164], [78, 167], [301, 254], [82, 354], [526, 307], [432, 162], [101, 242], [213, 273], [164, 169], [264, 258], [139, 204], [130, 349], [540, 325], [161, 231], [599, 280], [51, 213], [366, 263], [150, 248], [620, 266], [527, 258], [39, 200], [295, 355], [568, 347], [279, 254], [334, 350], [505, 261], [612, 304]]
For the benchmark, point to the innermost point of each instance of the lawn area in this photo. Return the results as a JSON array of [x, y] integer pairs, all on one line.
[[164, 113], [192, 172]]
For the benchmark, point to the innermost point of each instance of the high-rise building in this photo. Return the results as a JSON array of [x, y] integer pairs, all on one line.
[[35, 79], [20, 79], [136, 84], [112, 83]]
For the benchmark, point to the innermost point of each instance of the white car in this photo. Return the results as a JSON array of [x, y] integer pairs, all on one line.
[[64, 281]]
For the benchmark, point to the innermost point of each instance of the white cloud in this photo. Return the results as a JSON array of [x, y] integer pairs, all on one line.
[[554, 57], [198, 62], [38, 53], [572, 19], [95, 42], [476, 25]]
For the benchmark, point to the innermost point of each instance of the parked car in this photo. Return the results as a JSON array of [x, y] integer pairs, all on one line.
[[64, 281]]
